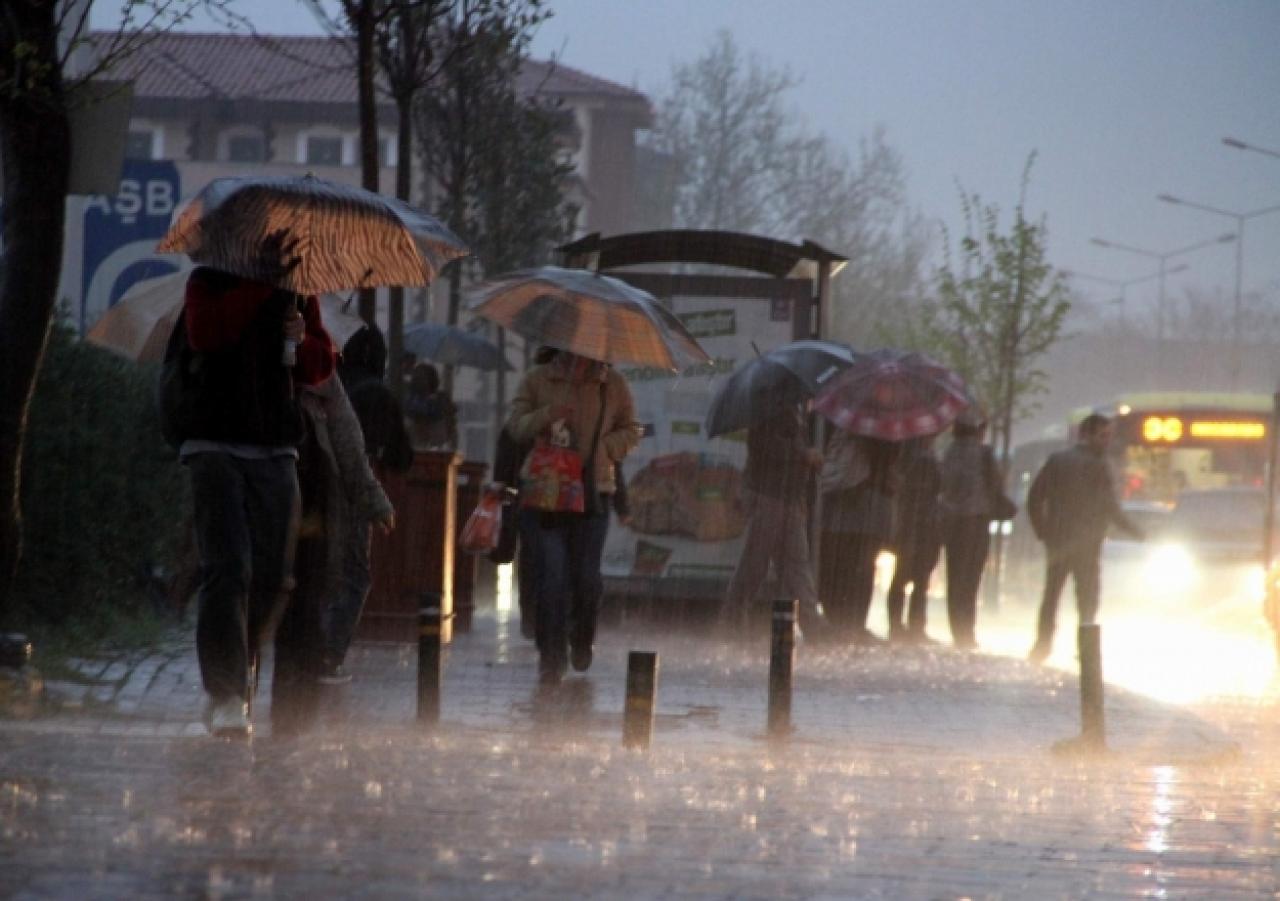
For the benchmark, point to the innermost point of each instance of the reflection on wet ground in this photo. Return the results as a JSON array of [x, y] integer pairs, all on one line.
[[921, 773]]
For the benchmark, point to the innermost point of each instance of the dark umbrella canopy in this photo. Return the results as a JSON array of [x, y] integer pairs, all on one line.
[[893, 395], [588, 314], [342, 237], [453, 346], [786, 375]]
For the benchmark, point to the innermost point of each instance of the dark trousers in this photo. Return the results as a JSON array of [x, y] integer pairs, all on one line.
[[567, 548], [1081, 563], [300, 641], [847, 579], [246, 519], [915, 563], [342, 612], [968, 539]]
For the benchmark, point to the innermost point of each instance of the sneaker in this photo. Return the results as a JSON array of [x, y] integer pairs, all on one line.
[[337, 674], [228, 719], [580, 658]]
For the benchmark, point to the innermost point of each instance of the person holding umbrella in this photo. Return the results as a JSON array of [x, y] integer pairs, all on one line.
[[590, 401], [241, 346], [780, 463]]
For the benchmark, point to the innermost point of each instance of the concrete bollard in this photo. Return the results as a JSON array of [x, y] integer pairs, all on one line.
[[430, 660], [642, 693], [781, 660], [1093, 728]]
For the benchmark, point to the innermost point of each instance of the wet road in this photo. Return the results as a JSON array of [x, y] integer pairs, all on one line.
[[908, 777]]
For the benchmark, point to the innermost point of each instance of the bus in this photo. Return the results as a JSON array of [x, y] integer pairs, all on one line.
[[1167, 443]]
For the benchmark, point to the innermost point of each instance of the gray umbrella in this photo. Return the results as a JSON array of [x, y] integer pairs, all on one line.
[[453, 346], [784, 376]]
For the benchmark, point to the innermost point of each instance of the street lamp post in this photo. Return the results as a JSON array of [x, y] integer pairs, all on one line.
[[1241, 145], [1241, 219], [1123, 284], [1163, 259]]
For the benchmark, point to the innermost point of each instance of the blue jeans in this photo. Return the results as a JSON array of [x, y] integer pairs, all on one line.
[[567, 548], [246, 514]]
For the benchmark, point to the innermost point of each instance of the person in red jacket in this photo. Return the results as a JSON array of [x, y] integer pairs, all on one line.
[[248, 346]]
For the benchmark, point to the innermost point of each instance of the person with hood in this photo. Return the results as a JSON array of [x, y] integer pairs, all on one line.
[[970, 480], [341, 498], [917, 542], [859, 481], [229, 401], [593, 404], [433, 418], [1071, 503], [780, 463]]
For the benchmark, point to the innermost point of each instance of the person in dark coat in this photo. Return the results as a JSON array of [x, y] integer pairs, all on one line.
[[970, 479], [859, 487], [1071, 503], [780, 463], [917, 542]]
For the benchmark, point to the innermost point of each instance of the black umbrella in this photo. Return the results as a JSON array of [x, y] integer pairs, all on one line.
[[453, 346], [787, 375]]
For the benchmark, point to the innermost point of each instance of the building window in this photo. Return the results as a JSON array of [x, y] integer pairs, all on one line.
[[246, 149], [138, 145], [324, 151]]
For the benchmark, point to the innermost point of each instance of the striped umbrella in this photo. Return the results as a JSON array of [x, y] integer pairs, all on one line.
[[311, 236], [893, 395], [589, 314]]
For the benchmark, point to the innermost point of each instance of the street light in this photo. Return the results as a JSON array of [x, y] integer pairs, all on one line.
[[1163, 271], [1123, 284], [1240, 218], [1241, 145]]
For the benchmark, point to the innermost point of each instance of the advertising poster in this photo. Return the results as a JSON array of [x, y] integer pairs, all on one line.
[[685, 490]]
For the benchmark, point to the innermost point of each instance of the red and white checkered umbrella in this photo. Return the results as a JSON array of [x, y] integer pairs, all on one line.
[[893, 395]]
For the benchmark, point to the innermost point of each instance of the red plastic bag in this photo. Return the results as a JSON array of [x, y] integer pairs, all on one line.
[[484, 525], [551, 480]]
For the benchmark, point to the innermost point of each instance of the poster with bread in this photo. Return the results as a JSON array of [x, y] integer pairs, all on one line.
[[688, 515]]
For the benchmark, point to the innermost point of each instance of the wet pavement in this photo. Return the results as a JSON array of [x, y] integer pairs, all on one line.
[[911, 773]]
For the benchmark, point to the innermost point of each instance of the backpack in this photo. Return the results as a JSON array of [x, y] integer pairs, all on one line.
[[179, 385]]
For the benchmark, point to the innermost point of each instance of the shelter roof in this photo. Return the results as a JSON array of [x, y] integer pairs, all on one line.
[[781, 259]]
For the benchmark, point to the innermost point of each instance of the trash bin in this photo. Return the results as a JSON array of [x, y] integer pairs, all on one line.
[[471, 475], [419, 555]]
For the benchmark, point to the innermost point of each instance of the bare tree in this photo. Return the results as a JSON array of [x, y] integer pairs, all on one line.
[[744, 161], [37, 40]]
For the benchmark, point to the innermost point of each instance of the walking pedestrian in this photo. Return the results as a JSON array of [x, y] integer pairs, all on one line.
[[228, 400], [384, 442], [780, 463], [593, 403], [917, 541], [341, 497], [1071, 503], [859, 481], [970, 480]]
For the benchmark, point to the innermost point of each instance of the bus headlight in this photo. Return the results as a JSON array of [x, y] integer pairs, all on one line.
[[1169, 568]]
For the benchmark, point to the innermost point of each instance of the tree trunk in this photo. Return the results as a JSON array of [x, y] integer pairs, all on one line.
[[35, 141], [404, 184], [365, 68]]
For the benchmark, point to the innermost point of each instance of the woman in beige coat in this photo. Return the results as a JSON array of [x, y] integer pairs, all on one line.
[[594, 404]]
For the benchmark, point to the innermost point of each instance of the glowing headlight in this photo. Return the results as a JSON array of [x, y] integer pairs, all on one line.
[[1169, 568]]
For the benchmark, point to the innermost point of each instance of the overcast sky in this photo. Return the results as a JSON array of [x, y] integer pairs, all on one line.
[[1123, 99]]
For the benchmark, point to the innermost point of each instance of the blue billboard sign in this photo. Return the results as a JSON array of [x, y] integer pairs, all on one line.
[[121, 232]]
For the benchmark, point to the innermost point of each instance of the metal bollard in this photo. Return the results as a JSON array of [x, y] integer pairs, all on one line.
[[430, 661], [15, 650], [781, 659], [642, 693], [1093, 729]]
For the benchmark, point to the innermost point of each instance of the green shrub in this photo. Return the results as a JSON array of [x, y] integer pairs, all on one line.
[[104, 500]]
